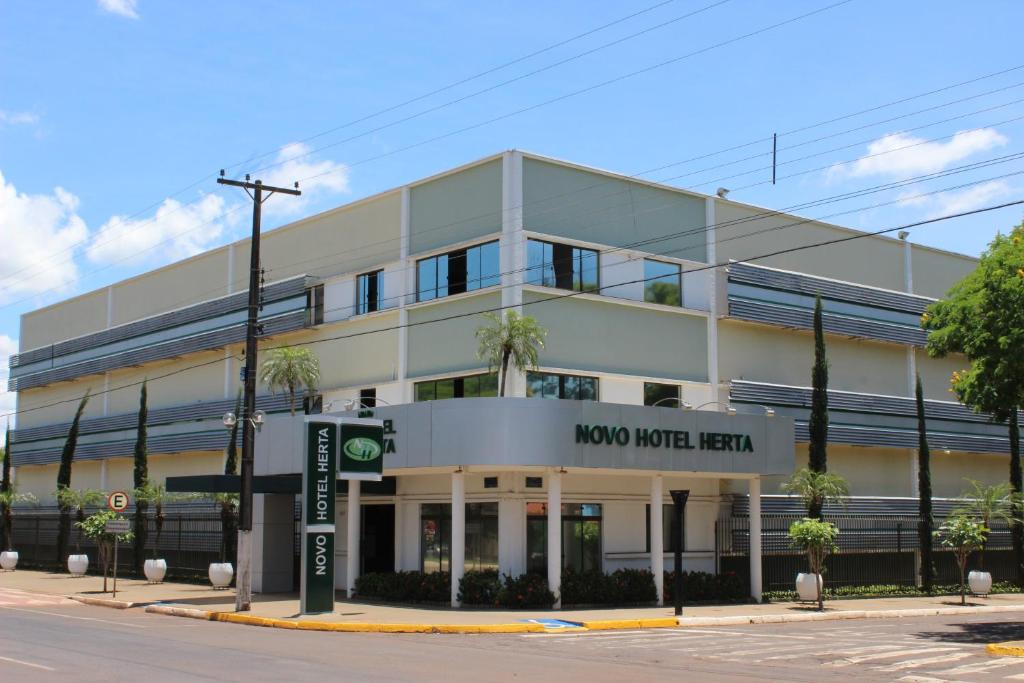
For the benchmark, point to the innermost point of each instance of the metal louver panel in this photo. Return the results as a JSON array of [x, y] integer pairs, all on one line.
[[178, 347], [204, 410], [800, 319], [277, 291], [743, 391], [866, 507], [897, 438], [172, 443], [761, 276]]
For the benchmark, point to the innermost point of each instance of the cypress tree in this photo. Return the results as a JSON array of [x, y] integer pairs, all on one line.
[[140, 480], [924, 495], [5, 485], [1016, 530], [818, 424], [64, 480]]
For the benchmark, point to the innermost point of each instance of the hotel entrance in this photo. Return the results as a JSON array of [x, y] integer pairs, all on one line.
[[377, 538]]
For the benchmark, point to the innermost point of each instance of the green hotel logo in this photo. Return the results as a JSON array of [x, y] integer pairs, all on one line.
[[362, 449]]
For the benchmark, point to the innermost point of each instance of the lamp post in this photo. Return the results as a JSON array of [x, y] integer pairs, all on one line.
[[678, 504], [683, 405]]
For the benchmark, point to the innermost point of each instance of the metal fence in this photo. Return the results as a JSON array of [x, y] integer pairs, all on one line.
[[189, 541], [871, 551]]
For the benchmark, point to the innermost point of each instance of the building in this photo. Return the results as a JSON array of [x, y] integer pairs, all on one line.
[[389, 291]]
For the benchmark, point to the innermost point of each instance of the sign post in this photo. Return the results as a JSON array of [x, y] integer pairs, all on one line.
[[117, 527], [678, 505], [319, 485]]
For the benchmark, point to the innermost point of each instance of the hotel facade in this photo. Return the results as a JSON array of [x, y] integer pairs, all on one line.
[[659, 371]]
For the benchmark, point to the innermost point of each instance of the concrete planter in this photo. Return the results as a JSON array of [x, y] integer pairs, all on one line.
[[155, 570], [78, 564], [221, 574], [980, 583], [807, 586], [9, 560]]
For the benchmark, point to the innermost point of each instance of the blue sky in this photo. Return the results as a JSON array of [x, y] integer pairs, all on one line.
[[110, 108]]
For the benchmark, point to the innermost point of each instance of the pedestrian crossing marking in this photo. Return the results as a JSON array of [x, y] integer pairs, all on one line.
[[924, 661], [848, 661]]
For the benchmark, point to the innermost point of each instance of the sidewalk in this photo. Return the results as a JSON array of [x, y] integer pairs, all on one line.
[[281, 610]]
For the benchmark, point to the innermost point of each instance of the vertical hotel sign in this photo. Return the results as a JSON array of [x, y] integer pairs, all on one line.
[[318, 486]]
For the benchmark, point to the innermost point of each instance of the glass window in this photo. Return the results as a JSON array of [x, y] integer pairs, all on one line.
[[368, 290], [581, 537], [550, 385], [481, 536], [462, 270], [663, 283], [666, 395], [472, 386], [561, 266], [315, 305], [666, 527], [368, 397]]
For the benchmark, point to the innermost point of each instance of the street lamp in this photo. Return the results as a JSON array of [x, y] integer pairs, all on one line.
[[352, 403], [728, 408], [230, 419], [683, 405]]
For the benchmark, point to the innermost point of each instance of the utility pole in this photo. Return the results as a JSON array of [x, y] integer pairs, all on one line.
[[243, 578]]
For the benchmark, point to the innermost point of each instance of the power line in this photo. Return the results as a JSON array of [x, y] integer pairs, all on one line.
[[495, 309]]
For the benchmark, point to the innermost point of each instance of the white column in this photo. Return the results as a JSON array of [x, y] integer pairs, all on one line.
[[512, 248], [755, 538], [512, 536], [352, 542], [657, 538], [103, 474], [408, 295], [712, 255], [458, 543], [555, 535]]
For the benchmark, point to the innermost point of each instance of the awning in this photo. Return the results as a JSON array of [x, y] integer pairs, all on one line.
[[277, 483]]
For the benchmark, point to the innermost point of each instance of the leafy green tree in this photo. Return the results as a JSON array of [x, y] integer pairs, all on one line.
[[817, 538], [987, 504], [816, 489], [817, 426], [5, 486], [926, 519], [982, 318], [140, 481], [290, 369], [664, 293], [95, 527], [963, 535], [513, 340], [64, 480], [78, 500]]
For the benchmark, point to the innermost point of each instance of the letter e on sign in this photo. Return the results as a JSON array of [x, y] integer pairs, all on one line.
[[118, 501]]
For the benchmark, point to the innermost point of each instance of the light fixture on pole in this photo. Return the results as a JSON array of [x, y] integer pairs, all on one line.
[[728, 408], [683, 405]]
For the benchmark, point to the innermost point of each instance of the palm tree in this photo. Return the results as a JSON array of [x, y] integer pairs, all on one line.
[[987, 504], [78, 500], [290, 369], [815, 489], [514, 339]]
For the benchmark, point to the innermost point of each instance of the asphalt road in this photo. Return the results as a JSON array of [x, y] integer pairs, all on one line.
[[44, 639]]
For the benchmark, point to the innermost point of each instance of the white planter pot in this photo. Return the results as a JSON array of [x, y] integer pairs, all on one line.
[[155, 570], [807, 586], [980, 583], [9, 560], [221, 573], [78, 564]]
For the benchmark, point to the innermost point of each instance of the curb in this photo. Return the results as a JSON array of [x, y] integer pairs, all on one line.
[[1012, 648], [665, 622], [345, 627], [105, 602], [848, 614]]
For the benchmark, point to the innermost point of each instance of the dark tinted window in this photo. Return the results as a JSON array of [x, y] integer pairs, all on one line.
[[550, 385], [368, 291], [663, 283], [560, 265], [462, 270], [666, 395]]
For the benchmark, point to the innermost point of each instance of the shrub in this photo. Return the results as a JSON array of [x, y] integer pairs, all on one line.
[[705, 587], [585, 588], [480, 587], [405, 586], [526, 590]]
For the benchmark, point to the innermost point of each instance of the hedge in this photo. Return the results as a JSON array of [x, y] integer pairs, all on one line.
[[705, 587], [883, 591], [621, 587], [405, 586]]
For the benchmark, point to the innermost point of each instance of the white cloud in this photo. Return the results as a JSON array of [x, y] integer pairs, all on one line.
[[8, 346], [36, 229], [176, 231], [899, 154], [16, 118], [958, 201], [331, 178], [123, 8]]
